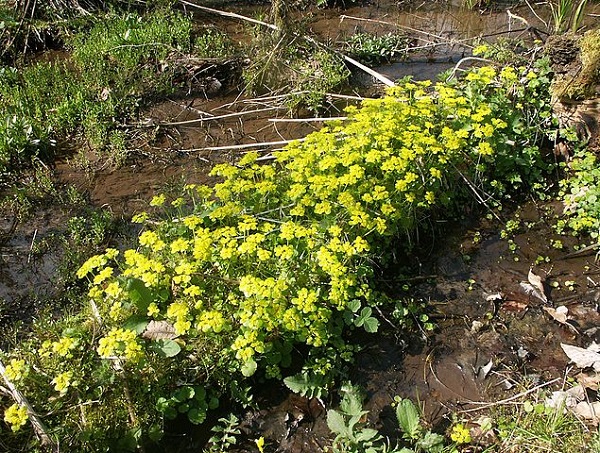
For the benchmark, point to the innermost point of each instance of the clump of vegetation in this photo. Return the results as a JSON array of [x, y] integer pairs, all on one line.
[[212, 43], [581, 75], [352, 434], [580, 193], [226, 280], [536, 427], [528, 426], [120, 63], [567, 15], [375, 50], [31, 26], [296, 66]]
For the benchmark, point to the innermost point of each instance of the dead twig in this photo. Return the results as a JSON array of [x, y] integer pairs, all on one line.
[[228, 14], [220, 117], [477, 195], [582, 251], [37, 424], [462, 60], [345, 96], [244, 146], [487, 404], [259, 100], [307, 120]]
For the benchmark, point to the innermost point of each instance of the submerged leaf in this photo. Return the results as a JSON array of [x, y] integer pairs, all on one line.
[[589, 411], [561, 315]]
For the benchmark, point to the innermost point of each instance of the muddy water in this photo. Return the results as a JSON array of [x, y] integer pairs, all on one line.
[[490, 334]]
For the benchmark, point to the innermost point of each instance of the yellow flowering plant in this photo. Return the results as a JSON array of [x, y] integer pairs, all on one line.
[[226, 280], [16, 416]]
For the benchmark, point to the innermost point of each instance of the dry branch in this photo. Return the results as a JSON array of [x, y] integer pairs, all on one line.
[[228, 14], [36, 422], [220, 117], [244, 146], [487, 405], [443, 41], [307, 120]]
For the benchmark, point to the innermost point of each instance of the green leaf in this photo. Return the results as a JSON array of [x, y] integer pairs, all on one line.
[[351, 403], [364, 315], [408, 419], [199, 393], [354, 420], [184, 394], [130, 441], [213, 403], [337, 424], [366, 435], [183, 408], [348, 317], [165, 348], [162, 403], [371, 324], [286, 360], [163, 294], [196, 416], [249, 368], [138, 293], [353, 305], [431, 442], [137, 323], [170, 413], [304, 384], [155, 433]]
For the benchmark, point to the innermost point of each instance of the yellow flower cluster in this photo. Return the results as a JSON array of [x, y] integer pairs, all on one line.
[[62, 382], [180, 312], [460, 434], [212, 320], [120, 342], [15, 370], [146, 269], [64, 347], [16, 416]]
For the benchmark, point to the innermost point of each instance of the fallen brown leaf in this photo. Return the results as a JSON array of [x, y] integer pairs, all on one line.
[[589, 381], [514, 306], [537, 282], [589, 411], [583, 358], [160, 330], [561, 315]]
